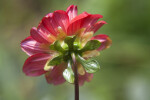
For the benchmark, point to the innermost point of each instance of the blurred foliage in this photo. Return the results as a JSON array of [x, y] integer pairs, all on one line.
[[125, 66]]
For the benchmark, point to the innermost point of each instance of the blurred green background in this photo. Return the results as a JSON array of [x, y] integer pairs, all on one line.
[[125, 66]]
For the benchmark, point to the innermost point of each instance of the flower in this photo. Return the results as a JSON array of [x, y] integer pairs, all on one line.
[[57, 36]]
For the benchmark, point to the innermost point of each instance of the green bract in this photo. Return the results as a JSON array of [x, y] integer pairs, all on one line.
[[56, 60], [56, 46], [69, 41], [90, 65], [68, 73], [91, 45]]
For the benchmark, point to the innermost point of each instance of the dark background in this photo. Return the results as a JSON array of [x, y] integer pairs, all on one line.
[[125, 66]]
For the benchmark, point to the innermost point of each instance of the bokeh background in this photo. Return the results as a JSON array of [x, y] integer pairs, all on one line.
[[125, 67]]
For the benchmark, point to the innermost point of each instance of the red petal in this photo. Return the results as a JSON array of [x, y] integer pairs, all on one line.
[[49, 36], [84, 20], [86, 77], [104, 39], [54, 20], [39, 36], [47, 22], [96, 26], [61, 19], [76, 23], [34, 65], [90, 20], [31, 47], [72, 11], [55, 76]]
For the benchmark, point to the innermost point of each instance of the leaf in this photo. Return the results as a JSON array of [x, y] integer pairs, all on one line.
[[56, 60], [91, 65], [91, 45], [68, 74]]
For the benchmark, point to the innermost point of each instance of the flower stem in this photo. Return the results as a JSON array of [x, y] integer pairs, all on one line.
[[76, 83]]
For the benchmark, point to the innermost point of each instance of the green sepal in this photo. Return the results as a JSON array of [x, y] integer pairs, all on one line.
[[91, 65], [52, 47], [91, 45], [68, 73], [57, 46], [56, 60], [69, 41], [64, 46]]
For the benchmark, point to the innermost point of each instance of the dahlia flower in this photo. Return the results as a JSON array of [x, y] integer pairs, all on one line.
[[58, 36]]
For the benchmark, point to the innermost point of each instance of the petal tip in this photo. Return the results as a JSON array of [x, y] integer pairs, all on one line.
[[103, 22]]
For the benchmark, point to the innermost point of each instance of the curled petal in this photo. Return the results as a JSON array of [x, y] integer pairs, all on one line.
[[34, 65], [55, 76], [104, 39], [40, 36], [72, 11], [86, 77], [31, 47], [96, 26]]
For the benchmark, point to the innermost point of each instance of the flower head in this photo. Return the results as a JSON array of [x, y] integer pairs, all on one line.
[[57, 36]]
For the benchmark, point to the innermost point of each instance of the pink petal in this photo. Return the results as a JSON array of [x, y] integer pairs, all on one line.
[[39, 36], [49, 36], [86, 77], [96, 26], [76, 23], [84, 20], [61, 19], [54, 20], [104, 39], [55, 76], [47, 22], [34, 65], [72, 11], [31, 47]]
